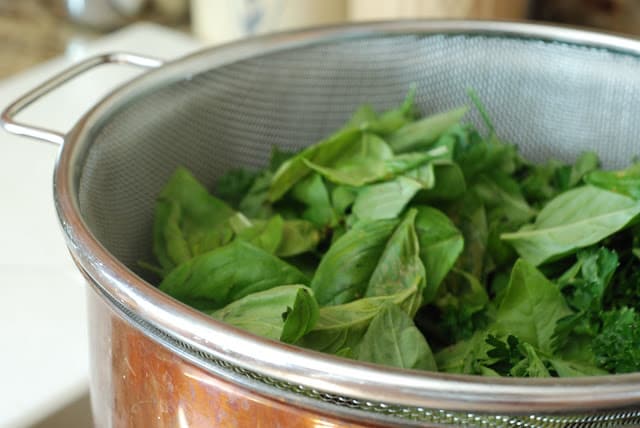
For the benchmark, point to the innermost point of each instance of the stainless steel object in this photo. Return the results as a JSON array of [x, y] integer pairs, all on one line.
[[553, 91]]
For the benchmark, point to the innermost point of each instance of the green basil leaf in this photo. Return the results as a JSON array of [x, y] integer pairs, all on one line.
[[385, 200], [342, 326], [575, 219], [367, 119], [218, 277], [344, 271], [185, 214], [498, 190], [573, 369], [531, 307], [423, 133], [267, 235], [470, 216], [392, 339], [625, 181], [362, 163], [323, 153], [313, 192], [449, 184], [298, 237], [342, 197], [440, 245], [282, 313], [399, 266], [585, 164], [255, 204]]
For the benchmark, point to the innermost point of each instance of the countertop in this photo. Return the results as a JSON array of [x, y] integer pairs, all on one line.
[[44, 359], [34, 31]]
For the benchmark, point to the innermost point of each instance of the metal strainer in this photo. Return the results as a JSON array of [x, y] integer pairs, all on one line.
[[552, 91]]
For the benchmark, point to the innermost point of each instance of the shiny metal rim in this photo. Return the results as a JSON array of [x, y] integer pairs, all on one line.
[[279, 361]]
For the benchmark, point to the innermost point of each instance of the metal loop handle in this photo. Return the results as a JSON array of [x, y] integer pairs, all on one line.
[[7, 118]]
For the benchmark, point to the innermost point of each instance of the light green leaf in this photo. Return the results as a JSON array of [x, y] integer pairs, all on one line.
[[323, 153], [313, 192], [267, 235], [575, 219], [385, 200], [392, 339], [218, 277], [531, 307], [342, 197], [423, 133], [573, 369], [625, 182], [360, 163], [298, 236], [342, 326], [282, 313]]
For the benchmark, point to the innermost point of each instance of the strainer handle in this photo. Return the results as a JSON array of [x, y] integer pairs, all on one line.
[[7, 118]]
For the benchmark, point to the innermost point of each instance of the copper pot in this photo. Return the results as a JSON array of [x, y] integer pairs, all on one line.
[[156, 362]]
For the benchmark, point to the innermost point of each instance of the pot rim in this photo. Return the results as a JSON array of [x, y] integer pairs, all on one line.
[[287, 363]]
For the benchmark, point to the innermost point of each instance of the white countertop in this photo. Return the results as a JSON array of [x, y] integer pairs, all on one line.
[[44, 357]]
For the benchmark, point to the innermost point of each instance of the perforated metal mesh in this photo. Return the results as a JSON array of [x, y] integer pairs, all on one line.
[[550, 98]]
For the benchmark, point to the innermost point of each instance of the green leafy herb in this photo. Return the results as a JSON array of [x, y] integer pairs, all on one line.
[[399, 234], [283, 313], [188, 221], [221, 276], [393, 340], [575, 219]]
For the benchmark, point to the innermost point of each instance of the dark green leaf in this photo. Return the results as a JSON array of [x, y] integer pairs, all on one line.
[[233, 185], [498, 190], [449, 184], [617, 347], [255, 203], [440, 245]]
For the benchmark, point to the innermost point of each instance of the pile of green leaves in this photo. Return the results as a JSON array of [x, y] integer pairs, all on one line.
[[418, 243]]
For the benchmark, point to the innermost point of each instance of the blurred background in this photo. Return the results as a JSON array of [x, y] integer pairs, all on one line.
[[45, 378], [32, 31]]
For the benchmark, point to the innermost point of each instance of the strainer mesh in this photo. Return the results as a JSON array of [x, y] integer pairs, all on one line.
[[552, 99]]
